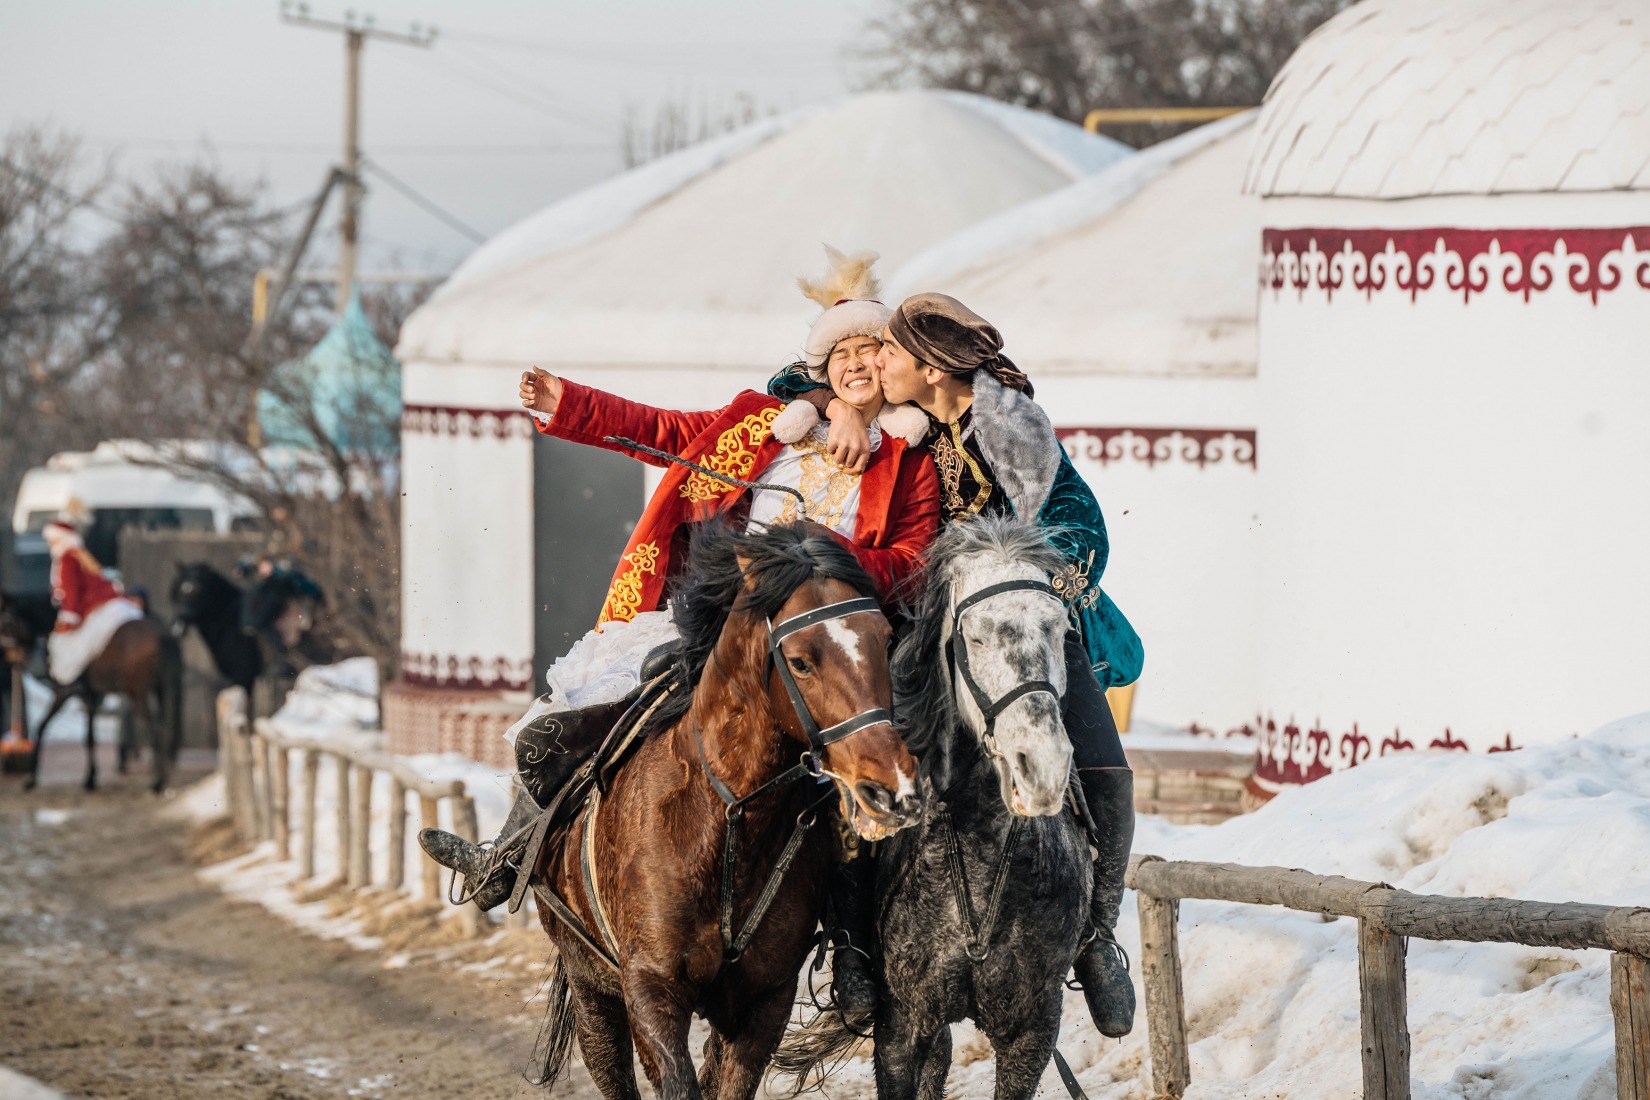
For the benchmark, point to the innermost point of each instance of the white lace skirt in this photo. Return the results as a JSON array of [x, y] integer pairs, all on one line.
[[602, 667]]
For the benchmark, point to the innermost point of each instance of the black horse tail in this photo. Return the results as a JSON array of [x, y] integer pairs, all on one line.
[[555, 1041], [814, 1051]]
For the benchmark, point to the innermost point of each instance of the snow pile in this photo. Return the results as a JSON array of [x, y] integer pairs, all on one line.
[[328, 700], [1272, 995], [1069, 148]]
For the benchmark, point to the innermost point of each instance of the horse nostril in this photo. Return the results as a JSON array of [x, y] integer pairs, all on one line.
[[876, 796], [1022, 764]]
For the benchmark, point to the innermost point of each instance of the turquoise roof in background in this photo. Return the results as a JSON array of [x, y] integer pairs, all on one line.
[[351, 380]]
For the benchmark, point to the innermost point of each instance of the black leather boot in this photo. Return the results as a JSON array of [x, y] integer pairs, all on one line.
[[488, 870], [853, 987], [1102, 966]]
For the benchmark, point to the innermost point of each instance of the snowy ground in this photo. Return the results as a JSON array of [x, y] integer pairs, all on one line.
[[1272, 995]]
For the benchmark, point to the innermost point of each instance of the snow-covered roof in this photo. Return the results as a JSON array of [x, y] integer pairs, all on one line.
[[693, 259], [1144, 269], [1403, 98]]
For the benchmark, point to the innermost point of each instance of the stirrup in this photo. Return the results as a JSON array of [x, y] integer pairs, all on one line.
[[464, 893], [1074, 983]]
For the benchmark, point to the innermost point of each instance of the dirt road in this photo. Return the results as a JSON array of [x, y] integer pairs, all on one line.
[[123, 975]]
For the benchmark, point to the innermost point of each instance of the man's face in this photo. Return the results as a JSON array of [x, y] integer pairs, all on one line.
[[852, 371], [903, 378]]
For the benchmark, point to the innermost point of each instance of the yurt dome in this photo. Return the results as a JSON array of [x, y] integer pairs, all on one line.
[[674, 284], [1454, 307], [704, 275], [1128, 297]]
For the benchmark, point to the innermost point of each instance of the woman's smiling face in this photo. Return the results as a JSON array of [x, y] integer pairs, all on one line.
[[852, 372]]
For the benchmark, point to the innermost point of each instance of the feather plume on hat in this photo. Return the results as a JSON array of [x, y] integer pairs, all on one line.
[[848, 294]]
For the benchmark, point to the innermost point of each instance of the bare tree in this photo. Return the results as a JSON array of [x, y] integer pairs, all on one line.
[[49, 317], [1068, 57], [677, 123]]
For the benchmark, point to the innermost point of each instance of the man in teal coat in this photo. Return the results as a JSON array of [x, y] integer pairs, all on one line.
[[997, 454]]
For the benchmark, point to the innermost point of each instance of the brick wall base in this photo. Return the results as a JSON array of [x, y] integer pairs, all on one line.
[[421, 720]]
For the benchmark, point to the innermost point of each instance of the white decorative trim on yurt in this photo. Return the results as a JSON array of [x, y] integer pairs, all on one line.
[[1198, 447], [1454, 261]]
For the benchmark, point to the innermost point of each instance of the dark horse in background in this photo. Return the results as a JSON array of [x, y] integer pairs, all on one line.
[[142, 662], [782, 651], [244, 646], [981, 909]]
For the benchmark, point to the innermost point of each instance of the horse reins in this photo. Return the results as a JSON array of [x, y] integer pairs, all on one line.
[[811, 766]]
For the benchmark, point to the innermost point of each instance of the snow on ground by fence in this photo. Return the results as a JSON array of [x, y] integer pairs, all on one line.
[[1272, 995]]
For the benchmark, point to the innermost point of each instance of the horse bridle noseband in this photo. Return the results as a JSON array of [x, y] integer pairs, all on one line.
[[958, 647]]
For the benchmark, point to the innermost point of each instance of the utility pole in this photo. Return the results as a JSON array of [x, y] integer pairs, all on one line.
[[355, 36]]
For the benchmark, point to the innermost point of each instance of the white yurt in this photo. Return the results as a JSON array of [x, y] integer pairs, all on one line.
[[674, 284], [1454, 335], [1128, 298]]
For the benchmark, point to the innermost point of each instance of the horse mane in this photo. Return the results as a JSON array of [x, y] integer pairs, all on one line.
[[781, 558], [33, 609], [924, 711]]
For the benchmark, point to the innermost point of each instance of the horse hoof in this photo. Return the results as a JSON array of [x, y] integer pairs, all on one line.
[[90, 784]]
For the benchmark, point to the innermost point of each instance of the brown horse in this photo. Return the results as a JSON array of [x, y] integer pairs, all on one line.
[[142, 662], [669, 865]]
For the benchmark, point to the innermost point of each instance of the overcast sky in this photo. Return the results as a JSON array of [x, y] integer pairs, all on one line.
[[518, 103]]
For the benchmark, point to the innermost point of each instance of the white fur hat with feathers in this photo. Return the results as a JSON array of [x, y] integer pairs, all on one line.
[[848, 294]]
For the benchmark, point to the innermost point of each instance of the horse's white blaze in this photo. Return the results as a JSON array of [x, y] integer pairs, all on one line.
[[839, 633], [906, 787]]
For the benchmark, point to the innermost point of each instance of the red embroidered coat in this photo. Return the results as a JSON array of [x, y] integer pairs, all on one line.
[[79, 587], [899, 493]]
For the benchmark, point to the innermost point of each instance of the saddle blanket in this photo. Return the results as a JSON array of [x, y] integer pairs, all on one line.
[[68, 652], [604, 666]]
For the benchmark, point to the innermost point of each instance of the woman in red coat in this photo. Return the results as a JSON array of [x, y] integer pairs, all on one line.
[[885, 507], [90, 608]]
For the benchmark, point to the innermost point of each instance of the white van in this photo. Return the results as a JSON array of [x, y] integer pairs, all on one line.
[[112, 488]]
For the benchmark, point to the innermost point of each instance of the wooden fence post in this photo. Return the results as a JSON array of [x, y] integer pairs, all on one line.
[[395, 874], [231, 714], [466, 826], [312, 781], [429, 817], [1384, 1011], [266, 766], [1165, 1003], [1630, 1005], [360, 855], [343, 816], [256, 783], [281, 774]]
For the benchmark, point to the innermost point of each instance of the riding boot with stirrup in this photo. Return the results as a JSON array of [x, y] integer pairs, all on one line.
[[1102, 966], [489, 874], [853, 988]]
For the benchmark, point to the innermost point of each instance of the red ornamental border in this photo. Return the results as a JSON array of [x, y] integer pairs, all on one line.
[[468, 673], [1289, 755], [1198, 446], [1462, 261], [450, 420]]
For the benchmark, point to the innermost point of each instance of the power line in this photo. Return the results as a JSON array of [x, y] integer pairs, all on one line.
[[553, 110], [429, 205], [309, 147]]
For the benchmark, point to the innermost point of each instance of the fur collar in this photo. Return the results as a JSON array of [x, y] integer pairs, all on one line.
[[900, 421], [1018, 441]]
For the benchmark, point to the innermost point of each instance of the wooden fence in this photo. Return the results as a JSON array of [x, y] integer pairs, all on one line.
[[257, 763], [1387, 918]]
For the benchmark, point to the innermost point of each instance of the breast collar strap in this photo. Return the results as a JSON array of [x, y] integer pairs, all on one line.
[[958, 646]]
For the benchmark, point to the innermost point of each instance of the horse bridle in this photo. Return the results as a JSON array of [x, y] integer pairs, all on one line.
[[958, 648], [819, 739]]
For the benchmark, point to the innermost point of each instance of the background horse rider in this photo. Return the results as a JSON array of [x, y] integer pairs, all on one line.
[[997, 455], [884, 507], [90, 606]]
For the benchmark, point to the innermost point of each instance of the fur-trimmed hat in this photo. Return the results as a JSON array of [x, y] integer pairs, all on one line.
[[848, 292]]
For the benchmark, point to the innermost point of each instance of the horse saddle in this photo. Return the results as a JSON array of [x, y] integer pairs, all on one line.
[[563, 755]]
